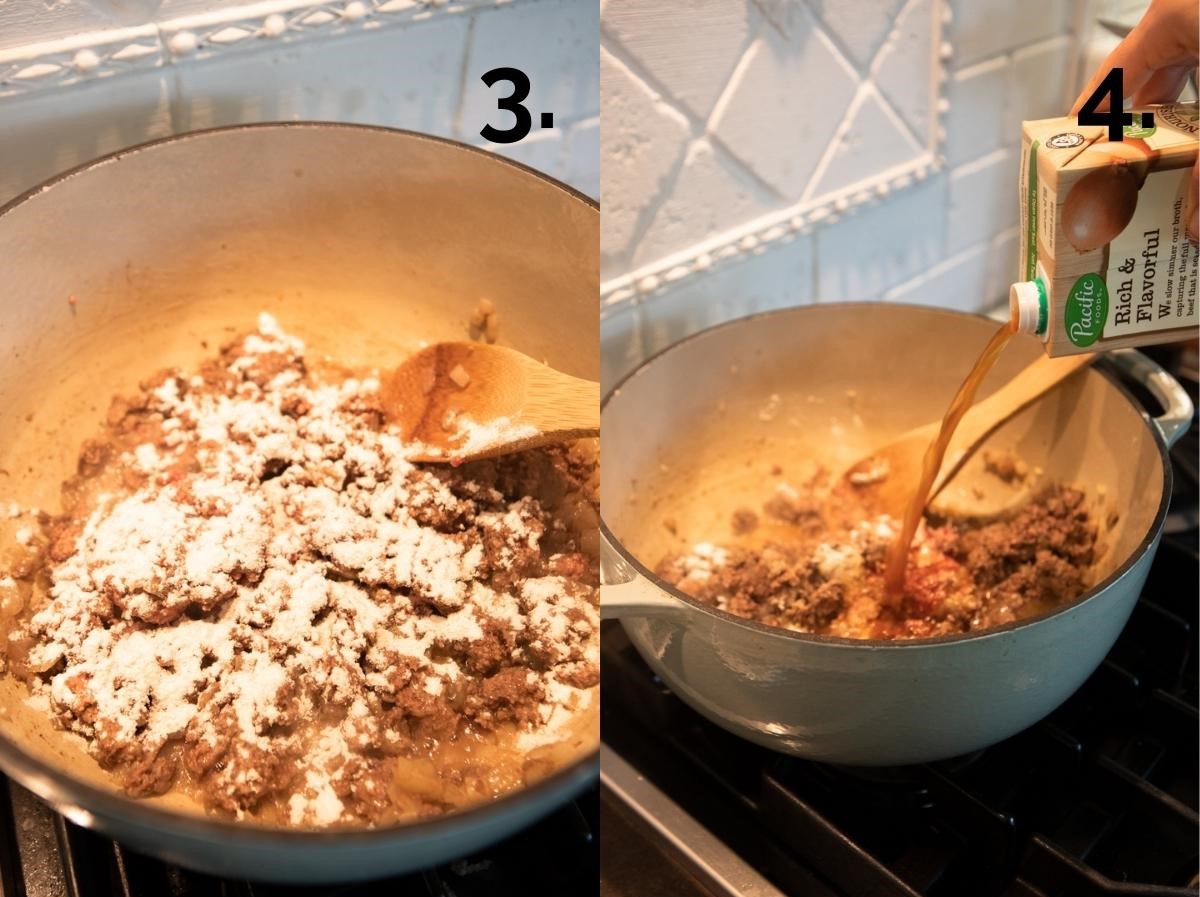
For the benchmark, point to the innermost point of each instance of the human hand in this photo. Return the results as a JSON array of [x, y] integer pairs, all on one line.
[[1157, 56]]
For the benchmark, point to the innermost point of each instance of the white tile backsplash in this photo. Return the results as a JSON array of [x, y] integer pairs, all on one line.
[[873, 138], [975, 122], [981, 29], [91, 76], [902, 72], [403, 76], [775, 275], [886, 130], [774, 91], [955, 282], [642, 140], [860, 27], [50, 131], [772, 276], [23, 23], [820, 109], [708, 190], [1039, 84], [983, 200], [1002, 262], [79, 58], [861, 256], [717, 33]]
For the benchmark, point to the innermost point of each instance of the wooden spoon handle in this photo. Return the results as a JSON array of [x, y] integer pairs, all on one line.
[[555, 401], [1021, 391], [1018, 393]]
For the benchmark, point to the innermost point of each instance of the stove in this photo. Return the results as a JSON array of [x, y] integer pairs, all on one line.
[[44, 855], [1100, 798]]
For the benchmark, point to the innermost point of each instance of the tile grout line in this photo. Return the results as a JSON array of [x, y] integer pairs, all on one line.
[[746, 54], [877, 61], [646, 213], [468, 47]]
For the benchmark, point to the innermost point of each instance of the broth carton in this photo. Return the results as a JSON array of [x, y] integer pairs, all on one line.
[[1104, 256]]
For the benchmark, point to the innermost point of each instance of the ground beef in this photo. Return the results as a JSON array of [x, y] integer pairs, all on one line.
[[743, 521], [93, 456], [579, 674], [789, 507], [62, 535], [963, 575], [365, 787], [331, 715], [429, 718], [774, 585], [1057, 524], [485, 655], [149, 773], [511, 695]]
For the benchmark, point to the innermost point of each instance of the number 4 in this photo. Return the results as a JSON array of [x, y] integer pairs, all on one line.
[[1112, 87]]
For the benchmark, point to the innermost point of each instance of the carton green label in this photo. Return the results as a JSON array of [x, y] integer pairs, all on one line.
[[1031, 215], [1086, 310], [1139, 128]]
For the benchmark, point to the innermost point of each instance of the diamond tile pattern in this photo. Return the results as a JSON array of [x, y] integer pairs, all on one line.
[[903, 68], [786, 104], [860, 26], [641, 139], [875, 140], [717, 32], [711, 185], [795, 85], [856, 149]]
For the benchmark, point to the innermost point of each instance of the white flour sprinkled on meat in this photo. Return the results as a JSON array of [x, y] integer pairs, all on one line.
[[265, 594], [468, 437]]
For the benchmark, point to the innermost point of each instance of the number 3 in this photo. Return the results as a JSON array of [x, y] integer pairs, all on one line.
[[510, 103]]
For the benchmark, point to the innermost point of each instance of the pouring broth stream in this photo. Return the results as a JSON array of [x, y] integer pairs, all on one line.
[[898, 551]]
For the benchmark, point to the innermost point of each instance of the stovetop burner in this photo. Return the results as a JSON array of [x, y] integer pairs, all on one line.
[[1100, 798], [44, 855]]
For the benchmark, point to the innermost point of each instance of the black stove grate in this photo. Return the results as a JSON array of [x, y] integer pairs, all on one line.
[[1098, 799], [43, 855]]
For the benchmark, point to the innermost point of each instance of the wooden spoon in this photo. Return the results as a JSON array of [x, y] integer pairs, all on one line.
[[893, 471], [456, 402]]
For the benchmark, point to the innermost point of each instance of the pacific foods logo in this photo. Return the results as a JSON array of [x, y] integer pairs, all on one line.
[[1086, 310], [1065, 141]]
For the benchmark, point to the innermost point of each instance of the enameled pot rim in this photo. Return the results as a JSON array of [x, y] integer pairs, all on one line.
[[839, 642], [66, 792], [139, 148]]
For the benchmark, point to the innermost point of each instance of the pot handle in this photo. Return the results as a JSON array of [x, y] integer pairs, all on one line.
[[624, 592], [1177, 404]]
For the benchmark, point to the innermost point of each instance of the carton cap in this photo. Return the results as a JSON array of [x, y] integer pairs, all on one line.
[[1028, 306]]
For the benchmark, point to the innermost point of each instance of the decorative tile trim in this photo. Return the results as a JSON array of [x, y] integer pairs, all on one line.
[[287, 21], [757, 236], [802, 218], [80, 58], [103, 54]]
